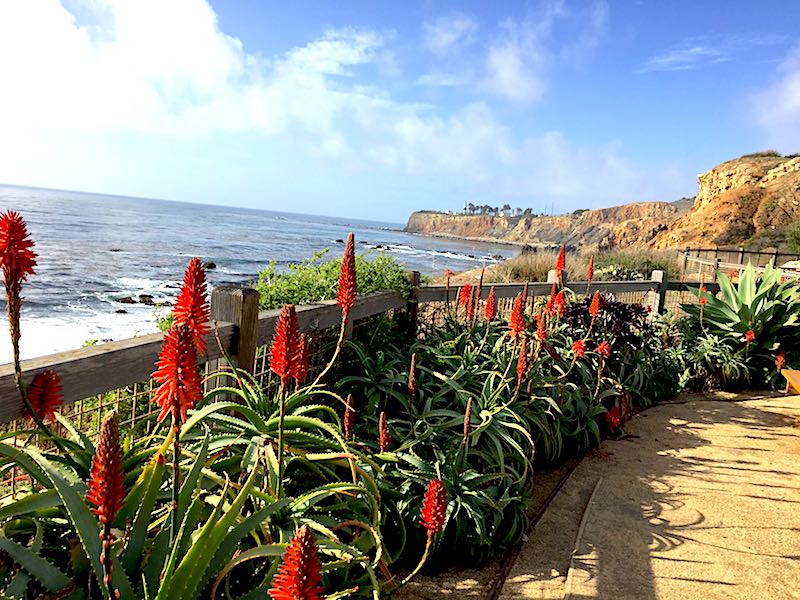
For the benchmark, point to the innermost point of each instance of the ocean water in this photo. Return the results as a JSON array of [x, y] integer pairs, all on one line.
[[95, 249]]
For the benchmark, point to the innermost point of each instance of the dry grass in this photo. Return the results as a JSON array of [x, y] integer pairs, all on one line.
[[632, 263]]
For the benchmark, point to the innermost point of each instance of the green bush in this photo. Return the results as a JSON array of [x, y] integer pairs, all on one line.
[[313, 280], [793, 236]]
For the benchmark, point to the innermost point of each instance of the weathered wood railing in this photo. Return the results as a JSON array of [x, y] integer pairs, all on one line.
[[241, 329]]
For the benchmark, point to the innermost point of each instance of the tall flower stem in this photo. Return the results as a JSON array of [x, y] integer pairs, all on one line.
[[282, 415], [422, 561], [176, 482]]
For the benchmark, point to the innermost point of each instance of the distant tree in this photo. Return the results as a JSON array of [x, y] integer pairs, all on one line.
[[527, 212], [471, 208], [506, 209]]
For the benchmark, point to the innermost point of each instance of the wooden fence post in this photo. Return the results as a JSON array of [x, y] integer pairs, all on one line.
[[741, 255], [685, 263], [716, 269], [238, 305], [552, 276], [775, 260], [661, 280], [412, 307]]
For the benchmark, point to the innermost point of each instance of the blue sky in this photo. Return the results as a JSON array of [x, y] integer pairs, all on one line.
[[375, 109]]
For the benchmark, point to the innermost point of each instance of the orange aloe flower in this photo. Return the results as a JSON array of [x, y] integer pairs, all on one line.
[[191, 306], [434, 507], [300, 573]]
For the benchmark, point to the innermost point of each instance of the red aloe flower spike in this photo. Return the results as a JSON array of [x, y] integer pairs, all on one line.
[[541, 328], [17, 258], [106, 488], [561, 263], [346, 297], [412, 377], [604, 349], [613, 418], [550, 309], [177, 372], [780, 360], [590, 273], [299, 366], [522, 361], [471, 306], [468, 419], [191, 306], [479, 289], [491, 306], [384, 437], [561, 304], [300, 573], [44, 396], [434, 507], [349, 418], [517, 321], [594, 307], [525, 296], [750, 336], [579, 348], [465, 294], [284, 344]]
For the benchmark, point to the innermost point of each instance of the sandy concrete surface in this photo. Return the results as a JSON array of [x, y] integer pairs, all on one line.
[[700, 500]]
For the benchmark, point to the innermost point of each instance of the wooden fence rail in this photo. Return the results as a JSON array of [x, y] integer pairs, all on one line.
[[95, 370]]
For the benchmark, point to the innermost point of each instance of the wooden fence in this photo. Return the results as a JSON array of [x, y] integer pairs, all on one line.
[[241, 330], [707, 261]]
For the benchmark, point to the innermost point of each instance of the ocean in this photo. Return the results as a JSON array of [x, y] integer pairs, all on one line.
[[96, 249]]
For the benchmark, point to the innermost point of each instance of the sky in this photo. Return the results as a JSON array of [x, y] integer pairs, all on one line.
[[374, 109]]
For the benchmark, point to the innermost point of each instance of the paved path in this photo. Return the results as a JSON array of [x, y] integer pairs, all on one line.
[[700, 501]]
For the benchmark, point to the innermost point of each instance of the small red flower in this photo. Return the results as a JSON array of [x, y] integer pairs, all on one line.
[[300, 573], [465, 294], [780, 359], [177, 372], [613, 418], [434, 507], [517, 320], [603, 349], [349, 417], [448, 273], [346, 297], [283, 352], [561, 263], [106, 487], [191, 306], [44, 395], [522, 361], [491, 306], [579, 348], [300, 362], [525, 294], [595, 306], [703, 300], [590, 270], [750, 336], [383, 433]]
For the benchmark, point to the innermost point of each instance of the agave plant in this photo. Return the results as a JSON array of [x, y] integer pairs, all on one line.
[[764, 305]]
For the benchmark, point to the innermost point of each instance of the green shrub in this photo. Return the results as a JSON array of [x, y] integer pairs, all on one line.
[[793, 236], [313, 280]]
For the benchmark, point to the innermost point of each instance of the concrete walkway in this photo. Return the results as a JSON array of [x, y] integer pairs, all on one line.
[[701, 500]]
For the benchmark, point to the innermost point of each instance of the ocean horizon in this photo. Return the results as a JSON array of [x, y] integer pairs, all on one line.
[[97, 249]]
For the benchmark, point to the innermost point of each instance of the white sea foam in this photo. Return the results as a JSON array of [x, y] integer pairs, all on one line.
[[47, 335]]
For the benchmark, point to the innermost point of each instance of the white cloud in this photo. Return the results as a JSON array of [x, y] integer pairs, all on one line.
[[449, 33], [777, 109], [121, 102], [521, 56], [686, 59]]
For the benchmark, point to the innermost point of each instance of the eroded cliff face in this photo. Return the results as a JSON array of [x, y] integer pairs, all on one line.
[[737, 201], [619, 226], [742, 199]]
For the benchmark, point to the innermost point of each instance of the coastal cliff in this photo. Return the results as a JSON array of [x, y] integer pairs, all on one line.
[[619, 226], [749, 200]]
